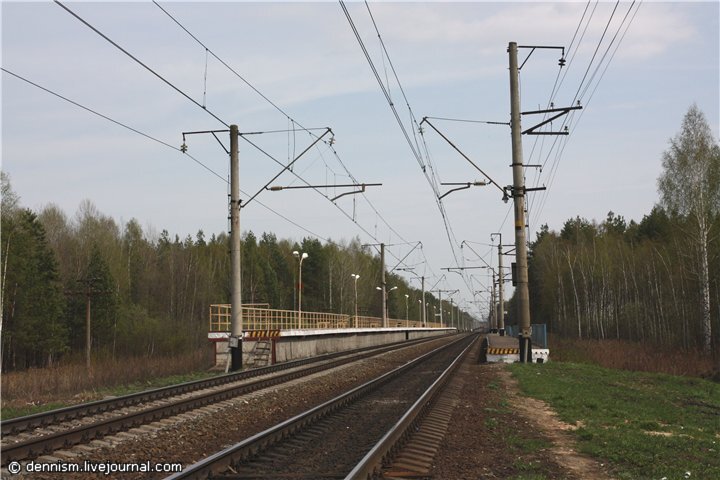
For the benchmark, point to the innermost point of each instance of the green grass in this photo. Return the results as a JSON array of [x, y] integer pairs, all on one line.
[[644, 425], [527, 445], [529, 476], [13, 412], [157, 383]]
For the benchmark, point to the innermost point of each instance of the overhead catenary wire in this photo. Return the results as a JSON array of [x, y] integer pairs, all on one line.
[[163, 79], [567, 120], [607, 25], [430, 176], [188, 97], [290, 119], [116, 122], [161, 142], [570, 120], [556, 88]]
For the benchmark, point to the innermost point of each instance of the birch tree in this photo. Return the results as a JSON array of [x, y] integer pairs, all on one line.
[[690, 187]]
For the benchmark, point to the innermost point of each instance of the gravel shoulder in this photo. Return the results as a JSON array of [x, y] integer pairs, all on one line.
[[190, 437], [494, 431]]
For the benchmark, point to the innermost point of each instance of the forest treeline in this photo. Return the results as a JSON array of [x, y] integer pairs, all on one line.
[[623, 280], [654, 281], [150, 293]]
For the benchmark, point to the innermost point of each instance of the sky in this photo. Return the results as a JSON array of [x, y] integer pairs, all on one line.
[[635, 67]]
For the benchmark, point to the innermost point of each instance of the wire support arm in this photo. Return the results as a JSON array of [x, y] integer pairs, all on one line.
[[277, 188], [464, 186], [561, 112], [286, 167], [561, 61], [425, 120], [418, 244]]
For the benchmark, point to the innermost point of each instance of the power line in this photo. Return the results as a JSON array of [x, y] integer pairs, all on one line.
[[379, 80], [414, 148], [606, 51], [283, 112], [116, 122], [161, 142], [140, 63], [607, 25], [190, 98], [570, 120]]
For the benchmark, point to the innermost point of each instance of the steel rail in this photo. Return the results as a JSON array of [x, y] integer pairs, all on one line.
[[43, 444], [370, 466], [44, 419], [220, 461]]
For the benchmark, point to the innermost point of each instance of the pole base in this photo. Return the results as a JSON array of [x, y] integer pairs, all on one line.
[[236, 356], [525, 344]]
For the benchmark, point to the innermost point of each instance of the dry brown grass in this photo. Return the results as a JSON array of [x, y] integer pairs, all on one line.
[[624, 355], [73, 383]]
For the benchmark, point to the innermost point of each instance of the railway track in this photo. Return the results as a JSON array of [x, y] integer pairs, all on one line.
[[350, 436], [29, 437]]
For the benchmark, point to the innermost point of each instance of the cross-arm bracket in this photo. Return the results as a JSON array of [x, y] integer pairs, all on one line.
[[560, 112]]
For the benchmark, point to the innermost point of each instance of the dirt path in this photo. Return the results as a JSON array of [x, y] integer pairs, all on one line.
[[545, 420], [495, 432]]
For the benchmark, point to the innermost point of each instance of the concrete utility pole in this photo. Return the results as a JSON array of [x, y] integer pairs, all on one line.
[[383, 286], [452, 313], [493, 308], [88, 337], [501, 297], [88, 292], [518, 194], [236, 296], [441, 307], [424, 320], [440, 292], [501, 282]]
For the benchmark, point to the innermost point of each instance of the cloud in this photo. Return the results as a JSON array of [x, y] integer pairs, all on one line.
[[655, 29]]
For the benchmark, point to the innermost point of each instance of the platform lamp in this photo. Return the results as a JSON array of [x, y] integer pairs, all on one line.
[[407, 310], [301, 257], [356, 277], [387, 295]]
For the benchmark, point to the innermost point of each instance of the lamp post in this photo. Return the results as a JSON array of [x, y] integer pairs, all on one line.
[[301, 257], [356, 277], [407, 310], [385, 299]]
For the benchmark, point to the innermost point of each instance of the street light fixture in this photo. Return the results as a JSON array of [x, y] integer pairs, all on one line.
[[387, 295], [356, 277], [407, 309], [301, 257]]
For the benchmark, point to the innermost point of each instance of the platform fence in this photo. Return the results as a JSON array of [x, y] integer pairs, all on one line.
[[259, 318]]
